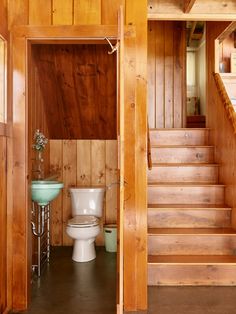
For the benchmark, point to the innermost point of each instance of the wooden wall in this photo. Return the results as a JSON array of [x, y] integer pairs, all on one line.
[[75, 12], [166, 74], [5, 279], [225, 50], [222, 133], [82, 163], [78, 85], [57, 12], [37, 117], [3, 224], [3, 19], [211, 10]]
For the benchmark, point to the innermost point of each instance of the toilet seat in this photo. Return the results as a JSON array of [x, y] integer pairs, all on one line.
[[83, 221]]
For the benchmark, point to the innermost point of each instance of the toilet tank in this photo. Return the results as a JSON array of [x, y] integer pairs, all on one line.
[[87, 201]]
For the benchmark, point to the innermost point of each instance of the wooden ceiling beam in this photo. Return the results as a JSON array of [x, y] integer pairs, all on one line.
[[229, 30], [191, 32], [190, 17], [188, 4]]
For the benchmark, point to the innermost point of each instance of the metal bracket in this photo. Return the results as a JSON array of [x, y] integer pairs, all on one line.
[[113, 48]]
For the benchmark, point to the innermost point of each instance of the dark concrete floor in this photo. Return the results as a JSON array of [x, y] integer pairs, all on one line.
[[67, 287], [86, 288]]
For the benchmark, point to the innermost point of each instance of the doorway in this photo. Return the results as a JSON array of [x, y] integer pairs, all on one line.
[[196, 74], [72, 92], [21, 180]]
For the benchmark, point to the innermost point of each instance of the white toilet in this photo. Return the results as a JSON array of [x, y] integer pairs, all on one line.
[[87, 208]]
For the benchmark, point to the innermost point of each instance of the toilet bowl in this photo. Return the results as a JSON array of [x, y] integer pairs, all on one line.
[[84, 227]]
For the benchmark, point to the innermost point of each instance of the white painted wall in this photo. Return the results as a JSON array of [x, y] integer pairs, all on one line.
[[196, 77]]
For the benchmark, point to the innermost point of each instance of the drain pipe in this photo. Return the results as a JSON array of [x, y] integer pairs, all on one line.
[[41, 223]]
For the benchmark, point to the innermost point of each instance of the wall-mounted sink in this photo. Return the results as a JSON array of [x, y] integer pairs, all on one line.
[[43, 191]]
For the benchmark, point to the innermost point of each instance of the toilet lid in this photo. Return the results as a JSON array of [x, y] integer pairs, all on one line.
[[83, 220]]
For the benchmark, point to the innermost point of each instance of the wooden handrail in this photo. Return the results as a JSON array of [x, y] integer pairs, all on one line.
[[149, 153], [226, 100]]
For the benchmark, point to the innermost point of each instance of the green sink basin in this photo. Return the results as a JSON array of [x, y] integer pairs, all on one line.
[[43, 192]]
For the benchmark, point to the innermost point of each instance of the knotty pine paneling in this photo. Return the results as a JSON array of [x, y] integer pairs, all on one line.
[[135, 213], [86, 163], [58, 12], [40, 12], [36, 120], [87, 12], [226, 48], [221, 130], [5, 281], [166, 74], [3, 224], [78, 86]]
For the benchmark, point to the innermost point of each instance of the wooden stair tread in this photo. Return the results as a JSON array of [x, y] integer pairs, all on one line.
[[191, 231], [190, 206], [189, 184], [192, 259], [182, 146], [179, 129], [203, 164]]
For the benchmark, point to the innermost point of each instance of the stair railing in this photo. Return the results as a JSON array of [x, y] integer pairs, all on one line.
[[149, 153], [226, 100]]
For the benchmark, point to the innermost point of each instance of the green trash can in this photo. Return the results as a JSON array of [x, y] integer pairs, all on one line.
[[110, 235]]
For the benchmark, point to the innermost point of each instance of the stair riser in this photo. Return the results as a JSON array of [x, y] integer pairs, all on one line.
[[186, 195], [191, 244], [183, 174], [192, 275], [179, 137], [182, 154], [177, 218]]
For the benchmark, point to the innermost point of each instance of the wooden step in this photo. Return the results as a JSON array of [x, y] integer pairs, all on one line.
[[185, 193], [207, 270], [183, 173], [179, 136], [192, 259], [191, 206], [182, 154], [189, 217], [210, 241]]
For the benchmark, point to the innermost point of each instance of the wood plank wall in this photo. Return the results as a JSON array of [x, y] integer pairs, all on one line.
[[3, 224], [166, 74], [82, 163], [222, 133], [3, 19], [226, 48], [78, 85], [173, 9], [56, 12], [135, 213], [37, 120], [5, 279], [74, 12]]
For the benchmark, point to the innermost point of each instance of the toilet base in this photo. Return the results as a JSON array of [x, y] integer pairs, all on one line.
[[84, 251]]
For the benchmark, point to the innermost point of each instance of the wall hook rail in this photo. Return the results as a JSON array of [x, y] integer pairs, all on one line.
[[113, 48]]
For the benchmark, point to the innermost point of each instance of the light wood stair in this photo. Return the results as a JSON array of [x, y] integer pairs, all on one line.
[[190, 239]]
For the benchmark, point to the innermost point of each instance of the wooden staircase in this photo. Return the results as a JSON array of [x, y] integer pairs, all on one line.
[[190, 239]]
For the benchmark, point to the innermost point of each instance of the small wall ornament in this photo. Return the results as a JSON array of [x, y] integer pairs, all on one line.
[[40, 141], [39, 145]]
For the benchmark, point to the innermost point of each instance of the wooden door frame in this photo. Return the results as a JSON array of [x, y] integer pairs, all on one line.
[[22, 38]]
